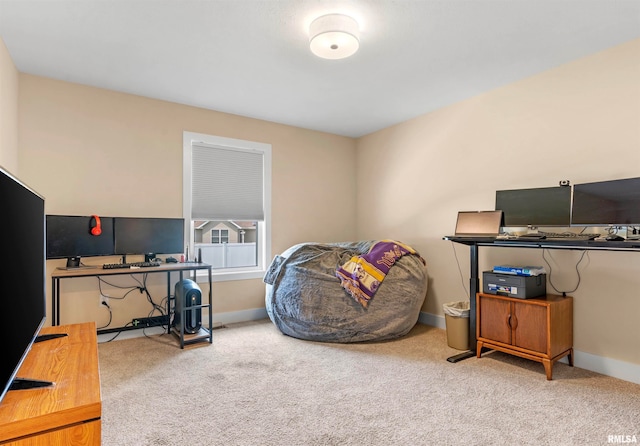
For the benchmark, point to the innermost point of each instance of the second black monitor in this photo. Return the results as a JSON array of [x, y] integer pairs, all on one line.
[[546, 206], [148, 235], [604, 203]]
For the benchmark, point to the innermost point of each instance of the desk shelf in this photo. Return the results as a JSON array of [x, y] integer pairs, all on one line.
[[186, 339], [204, 334]]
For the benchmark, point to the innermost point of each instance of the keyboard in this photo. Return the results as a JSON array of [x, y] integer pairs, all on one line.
[[129, 265], [566, 236]]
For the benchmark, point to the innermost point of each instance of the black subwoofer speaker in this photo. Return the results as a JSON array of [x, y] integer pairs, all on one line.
[[188, 295]]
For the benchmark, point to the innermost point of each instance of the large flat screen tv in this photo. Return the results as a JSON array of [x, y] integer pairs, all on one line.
[[22, 276], [607, 203], [545, 206]]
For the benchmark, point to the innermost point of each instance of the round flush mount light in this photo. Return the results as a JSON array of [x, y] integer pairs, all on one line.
[[334, 36]]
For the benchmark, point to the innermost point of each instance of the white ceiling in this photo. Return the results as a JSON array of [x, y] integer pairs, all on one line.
[[251, 57]]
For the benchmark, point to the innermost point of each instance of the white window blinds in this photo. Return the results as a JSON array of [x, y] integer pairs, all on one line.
[[227, 183]]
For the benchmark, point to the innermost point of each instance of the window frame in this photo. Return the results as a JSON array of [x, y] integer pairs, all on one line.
[[264, 227]]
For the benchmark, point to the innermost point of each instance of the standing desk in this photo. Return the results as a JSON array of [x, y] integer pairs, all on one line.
[[474, 279], [167, 268]]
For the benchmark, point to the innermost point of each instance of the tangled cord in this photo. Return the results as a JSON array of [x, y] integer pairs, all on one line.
[[455, 254], [564, 293], [142, 288]]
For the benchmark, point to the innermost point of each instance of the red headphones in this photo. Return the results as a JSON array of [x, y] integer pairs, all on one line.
[[96, 229]]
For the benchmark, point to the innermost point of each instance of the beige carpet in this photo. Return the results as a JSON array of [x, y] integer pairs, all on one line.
[[255, 386]]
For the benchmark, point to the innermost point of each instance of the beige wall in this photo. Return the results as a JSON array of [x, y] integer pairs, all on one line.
[[580, 122], [8, 111], [92, 151]]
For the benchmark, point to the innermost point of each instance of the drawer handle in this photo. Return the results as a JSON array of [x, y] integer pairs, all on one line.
[[512, 321]]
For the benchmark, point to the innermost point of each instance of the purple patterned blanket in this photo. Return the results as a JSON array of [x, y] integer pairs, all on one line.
[[361, 275]]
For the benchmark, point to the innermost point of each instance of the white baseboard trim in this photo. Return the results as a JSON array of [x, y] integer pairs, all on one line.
[[233, 317], [599, 364], [432, 320], [129, 334], [219, 319], [607, 366]]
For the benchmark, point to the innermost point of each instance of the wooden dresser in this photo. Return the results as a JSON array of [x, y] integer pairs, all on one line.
[[68, 413]]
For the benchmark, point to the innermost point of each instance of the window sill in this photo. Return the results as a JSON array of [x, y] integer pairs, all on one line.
[[226, 276]]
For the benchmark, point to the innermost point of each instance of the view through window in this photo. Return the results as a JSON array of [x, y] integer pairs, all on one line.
[[227, 184], [228, 243]]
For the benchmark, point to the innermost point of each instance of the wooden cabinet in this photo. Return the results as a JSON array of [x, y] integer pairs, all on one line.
[[70, 411], [538, 329]]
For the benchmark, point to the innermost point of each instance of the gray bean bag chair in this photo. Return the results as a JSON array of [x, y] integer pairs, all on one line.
[[305, 298]]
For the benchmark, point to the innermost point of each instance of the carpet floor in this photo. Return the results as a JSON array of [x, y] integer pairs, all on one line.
[[256, 386]]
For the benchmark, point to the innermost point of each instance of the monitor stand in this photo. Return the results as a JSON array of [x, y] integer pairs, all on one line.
[[73, 262], [24, 383], [46, 337]]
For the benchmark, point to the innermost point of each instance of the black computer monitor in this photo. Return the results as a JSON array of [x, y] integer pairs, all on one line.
[[148, 236], [607, 203], [70, 237], [546, 206], [22, 276]]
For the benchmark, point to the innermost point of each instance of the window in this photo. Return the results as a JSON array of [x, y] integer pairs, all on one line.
[[219, 236], [227, 204]]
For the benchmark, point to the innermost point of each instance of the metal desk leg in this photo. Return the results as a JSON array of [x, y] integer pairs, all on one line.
[[182, 318], [55, 302], [210, 307], [169, 302], [474, 288]]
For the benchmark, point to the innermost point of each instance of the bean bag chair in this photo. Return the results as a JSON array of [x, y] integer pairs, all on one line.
[[332, 292]]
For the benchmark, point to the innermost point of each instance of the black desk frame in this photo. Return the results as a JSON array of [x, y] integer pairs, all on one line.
[[168, 268], [474, 276]]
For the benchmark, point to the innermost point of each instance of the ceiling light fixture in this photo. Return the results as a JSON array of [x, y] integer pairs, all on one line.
[[334, 36]]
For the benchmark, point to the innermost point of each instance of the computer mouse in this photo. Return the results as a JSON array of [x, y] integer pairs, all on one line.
[[614, 238]]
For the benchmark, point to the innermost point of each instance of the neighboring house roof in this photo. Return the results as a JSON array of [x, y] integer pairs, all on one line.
[[245, 224], [199, 224]]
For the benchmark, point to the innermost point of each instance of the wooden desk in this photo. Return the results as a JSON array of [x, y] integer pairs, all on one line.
[[68, 413]]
